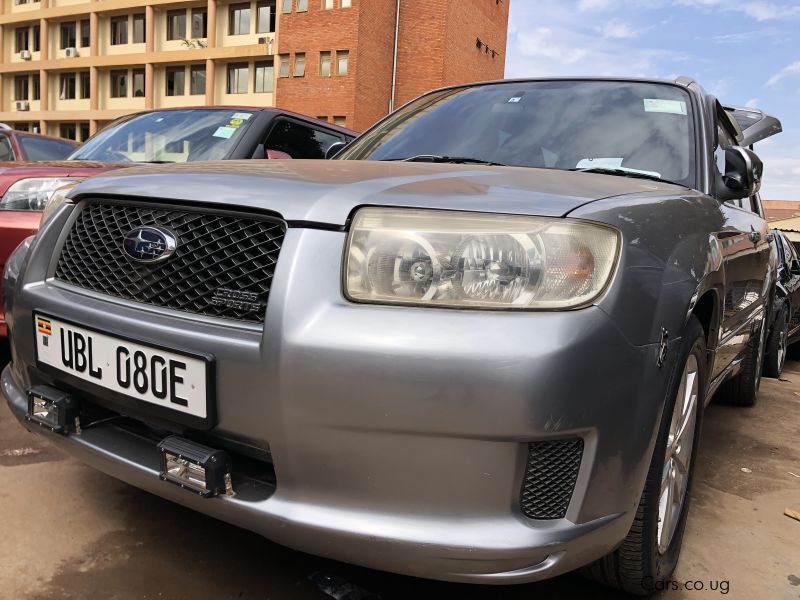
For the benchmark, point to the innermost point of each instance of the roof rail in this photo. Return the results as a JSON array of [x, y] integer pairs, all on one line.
[[684, 80]]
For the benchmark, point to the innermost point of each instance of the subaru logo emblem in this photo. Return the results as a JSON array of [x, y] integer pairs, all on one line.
[[149, 244]]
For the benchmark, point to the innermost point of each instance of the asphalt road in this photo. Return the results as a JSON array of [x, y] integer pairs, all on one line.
[[71, 532]]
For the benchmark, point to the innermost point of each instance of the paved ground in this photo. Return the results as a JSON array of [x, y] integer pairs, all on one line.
[[71, 532]]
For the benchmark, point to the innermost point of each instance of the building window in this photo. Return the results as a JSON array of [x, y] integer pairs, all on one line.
[[340, 121], [283, 70], [197, 79], [36, 87], [119, 30], [286, 6], [299, 64], [21, 39], [323, 118], [37, 37], [138, 83], [302, 5], [68, 131], [138, 29], [239, 19], [342, 62], [265, 13], [345, 4], [85, 29], [325, 64], [265, 75], [327, 4], [67, 35], [67, 87], [85, 85], [84, 128], [176, 24], [21, 87], [199, 22], [176, 77], [237, 78], [119, 84]]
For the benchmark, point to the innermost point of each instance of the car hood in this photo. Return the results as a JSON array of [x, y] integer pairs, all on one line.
[[326, 192]]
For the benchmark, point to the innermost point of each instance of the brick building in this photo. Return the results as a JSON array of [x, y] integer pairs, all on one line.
[[67, 67]]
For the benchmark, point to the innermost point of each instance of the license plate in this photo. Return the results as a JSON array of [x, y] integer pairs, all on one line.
[[168, 379]]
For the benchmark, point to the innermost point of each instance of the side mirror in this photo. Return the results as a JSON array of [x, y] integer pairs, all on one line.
[[273, 154], [334, 149], [743, 170]]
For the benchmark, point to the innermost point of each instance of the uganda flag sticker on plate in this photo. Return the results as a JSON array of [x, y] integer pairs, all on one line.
[[44, 326]]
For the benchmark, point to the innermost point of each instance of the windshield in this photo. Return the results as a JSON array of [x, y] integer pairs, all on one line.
[[643, 128], [168, 136]]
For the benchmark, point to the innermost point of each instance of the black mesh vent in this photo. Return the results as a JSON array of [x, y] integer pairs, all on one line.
[[550, 476], [222, 267]]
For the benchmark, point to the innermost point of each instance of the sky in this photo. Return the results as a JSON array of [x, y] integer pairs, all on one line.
[[744, 52]]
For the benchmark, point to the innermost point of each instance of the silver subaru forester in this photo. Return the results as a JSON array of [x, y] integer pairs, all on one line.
[[475, 346]]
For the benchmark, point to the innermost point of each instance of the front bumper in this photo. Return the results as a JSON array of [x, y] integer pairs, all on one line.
[[398, 435]]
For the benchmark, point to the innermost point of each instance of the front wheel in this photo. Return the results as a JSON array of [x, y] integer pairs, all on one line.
[[777, 343], [648, 555]]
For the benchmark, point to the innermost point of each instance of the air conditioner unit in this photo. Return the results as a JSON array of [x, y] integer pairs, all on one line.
[[22, 105], [72, 52], [263, 40], [25, 54]]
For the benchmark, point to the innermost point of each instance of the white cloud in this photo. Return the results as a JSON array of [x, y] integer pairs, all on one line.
[[781, 179], [616, 29], [760, 11], [590, 5], [752, 103], [792, 69]]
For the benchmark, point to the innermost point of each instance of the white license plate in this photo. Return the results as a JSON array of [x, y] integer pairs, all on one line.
[[161, 377]]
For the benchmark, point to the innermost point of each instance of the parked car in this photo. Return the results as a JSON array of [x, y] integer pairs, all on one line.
[[785, 313], [18, 146], [161, 136], [475, 347]]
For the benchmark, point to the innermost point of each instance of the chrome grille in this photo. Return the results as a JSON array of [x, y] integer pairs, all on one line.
[[550, 475], [222, 267]]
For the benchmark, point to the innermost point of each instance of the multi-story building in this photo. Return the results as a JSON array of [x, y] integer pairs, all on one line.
[[67, 67]]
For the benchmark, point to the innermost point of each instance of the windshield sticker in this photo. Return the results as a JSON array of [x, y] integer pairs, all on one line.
[[672, 107], [242, 116], [224, 132], [235, 123], [599, 163]]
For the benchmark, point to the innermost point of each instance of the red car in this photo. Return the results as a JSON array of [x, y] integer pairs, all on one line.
[[21, 146], [161, 136]]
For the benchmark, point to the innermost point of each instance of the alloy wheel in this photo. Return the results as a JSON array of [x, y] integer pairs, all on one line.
[[675, 474]]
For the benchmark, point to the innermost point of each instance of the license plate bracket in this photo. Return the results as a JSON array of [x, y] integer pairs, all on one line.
[[194, 372]]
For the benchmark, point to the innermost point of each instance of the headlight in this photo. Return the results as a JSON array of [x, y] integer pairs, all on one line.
[[58, 198], [473, 260], [33, 193]]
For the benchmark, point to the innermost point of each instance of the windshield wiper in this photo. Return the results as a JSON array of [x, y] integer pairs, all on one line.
[[156, 162], [625, 173], [435, 158]]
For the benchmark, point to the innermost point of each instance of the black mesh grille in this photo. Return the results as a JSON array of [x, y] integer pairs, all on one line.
[[222, 267], [550, 475]]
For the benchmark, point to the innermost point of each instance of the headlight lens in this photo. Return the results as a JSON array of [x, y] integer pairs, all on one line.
[[33, 193], [473, 260], [58, 198]]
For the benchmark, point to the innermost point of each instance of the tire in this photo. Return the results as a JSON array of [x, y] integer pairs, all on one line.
[[646, 559], [777, 343], [742, 390]]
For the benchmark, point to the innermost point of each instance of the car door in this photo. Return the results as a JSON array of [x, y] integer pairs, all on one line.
[[746, 257], [790, 279]]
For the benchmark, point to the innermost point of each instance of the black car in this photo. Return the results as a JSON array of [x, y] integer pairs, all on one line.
[[785, 314]]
